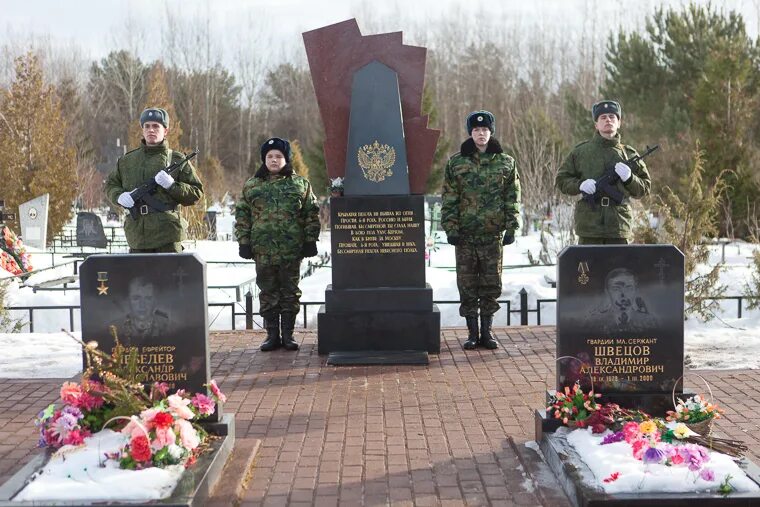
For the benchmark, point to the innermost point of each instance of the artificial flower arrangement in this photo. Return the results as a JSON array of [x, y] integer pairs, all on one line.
[[14, 257], [336, 187], [162, 428], [651, 440]]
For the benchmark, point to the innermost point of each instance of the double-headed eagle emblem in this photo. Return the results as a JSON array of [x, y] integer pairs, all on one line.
[[376, 161]]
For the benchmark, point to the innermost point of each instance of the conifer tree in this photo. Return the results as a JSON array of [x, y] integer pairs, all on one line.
[[34, 159], [297, 160]]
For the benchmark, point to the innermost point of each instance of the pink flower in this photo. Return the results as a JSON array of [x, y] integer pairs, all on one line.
[[631, 432], [204, 404], [164, 437], [90, 402], [178, 407], [613, 477], [707, 475], [187, 434], [217, 392], [133, 428], [161, 388], [75, 437], [71, 393], [148, 415], [639, 448]]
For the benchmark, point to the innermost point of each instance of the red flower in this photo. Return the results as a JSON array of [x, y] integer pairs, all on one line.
[[140, 448], [613, 477], [163, 420]]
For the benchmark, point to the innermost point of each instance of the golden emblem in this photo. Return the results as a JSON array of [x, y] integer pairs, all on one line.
[[376, 161], [583, 270], [103, 288]]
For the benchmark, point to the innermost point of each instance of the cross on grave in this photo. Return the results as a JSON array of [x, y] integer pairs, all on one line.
[[180, 275], [661, 265], [5, 216]]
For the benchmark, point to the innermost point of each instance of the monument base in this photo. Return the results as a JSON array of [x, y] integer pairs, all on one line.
[[193, 489], [572, 475], [379, 331], [373, 357]]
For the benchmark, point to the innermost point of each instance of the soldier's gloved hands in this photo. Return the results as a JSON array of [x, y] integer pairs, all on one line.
[[508, 239], [309, 249], [453, 240], [125, 199], [588, 186], [245, 252], [623, 171], [164, 179]]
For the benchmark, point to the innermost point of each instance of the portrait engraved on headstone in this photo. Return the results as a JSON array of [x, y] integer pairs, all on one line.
[[90, 230]]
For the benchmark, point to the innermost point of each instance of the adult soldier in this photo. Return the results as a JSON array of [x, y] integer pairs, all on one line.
[[144, 320], [623, 310], [277, 225], [481, 197], [154, 230], [608, 223]]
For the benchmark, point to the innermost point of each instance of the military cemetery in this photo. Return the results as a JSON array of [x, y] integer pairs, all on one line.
[[338, 253]]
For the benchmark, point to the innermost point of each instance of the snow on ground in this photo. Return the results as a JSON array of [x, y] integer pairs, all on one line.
[[71, 468], [723, 343]]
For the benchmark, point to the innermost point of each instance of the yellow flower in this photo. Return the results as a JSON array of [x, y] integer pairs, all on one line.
[[648, 427], [681, 431]]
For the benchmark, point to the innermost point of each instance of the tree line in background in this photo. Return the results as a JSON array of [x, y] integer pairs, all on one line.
[[687, 80]]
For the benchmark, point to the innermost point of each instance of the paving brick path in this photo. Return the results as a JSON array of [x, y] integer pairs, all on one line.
[[444, 434]]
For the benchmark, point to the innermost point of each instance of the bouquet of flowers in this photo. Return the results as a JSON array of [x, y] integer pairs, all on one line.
[[695, 412], [573, 406], [336, 187], [13, 255], [162, 428]]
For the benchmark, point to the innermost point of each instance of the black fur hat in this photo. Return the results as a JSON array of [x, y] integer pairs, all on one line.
[[480, 119], [605, 107], [275, 143]]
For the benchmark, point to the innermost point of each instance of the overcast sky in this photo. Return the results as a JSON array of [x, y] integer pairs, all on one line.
[[98, 26]]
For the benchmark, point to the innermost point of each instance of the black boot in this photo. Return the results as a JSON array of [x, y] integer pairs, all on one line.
[[472, 337], [487, 339], [272, 325], [288, 323]]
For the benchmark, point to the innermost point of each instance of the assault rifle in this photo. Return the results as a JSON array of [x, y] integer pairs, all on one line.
[[143, 194], [605, 185]]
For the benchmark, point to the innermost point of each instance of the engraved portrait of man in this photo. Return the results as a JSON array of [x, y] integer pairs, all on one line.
[[144, 319], [624, 309]]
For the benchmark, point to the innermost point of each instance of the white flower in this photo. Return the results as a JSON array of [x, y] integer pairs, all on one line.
[[175, 451], [336, 182]]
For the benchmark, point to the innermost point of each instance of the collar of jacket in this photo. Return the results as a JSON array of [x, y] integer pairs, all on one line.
[[161, 147], [263, 172], [603, 141], [468, 147]]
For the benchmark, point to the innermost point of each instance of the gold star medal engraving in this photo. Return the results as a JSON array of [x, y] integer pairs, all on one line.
[[376, 161], [102, 278], [583, 278]]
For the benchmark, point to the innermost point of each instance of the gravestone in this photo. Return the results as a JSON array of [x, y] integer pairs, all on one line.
[[4, 215], [90, 230], [620, 315], [157, 303], [378, 309], [33, 218]]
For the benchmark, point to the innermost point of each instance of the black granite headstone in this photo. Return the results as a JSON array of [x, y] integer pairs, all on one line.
[[157, 302], [90, 230], [376, 154], [620, 314]]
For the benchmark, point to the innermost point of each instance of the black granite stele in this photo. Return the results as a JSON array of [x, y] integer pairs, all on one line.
[[376, 153], [620, 313], [378, 300], [90, 230]]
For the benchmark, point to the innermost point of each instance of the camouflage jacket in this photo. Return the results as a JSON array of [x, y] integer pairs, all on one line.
[[589, 160], [481, 194], [276, 215], [137, 166]]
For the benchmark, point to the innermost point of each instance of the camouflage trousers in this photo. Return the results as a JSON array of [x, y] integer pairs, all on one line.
[[585, 240], [278, 285], [167, 248], [479, 277]]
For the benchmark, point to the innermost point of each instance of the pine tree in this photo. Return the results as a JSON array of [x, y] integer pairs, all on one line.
[[297, 161], [34, 160], [157, 96]]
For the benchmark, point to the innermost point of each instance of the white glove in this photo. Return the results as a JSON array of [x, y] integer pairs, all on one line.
[[164, 179], [588, 186], [126, 200], [623, 171]]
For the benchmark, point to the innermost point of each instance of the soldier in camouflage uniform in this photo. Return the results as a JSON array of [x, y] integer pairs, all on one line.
[[481, 197], [609, 223], [277, 225], [154, 230]]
